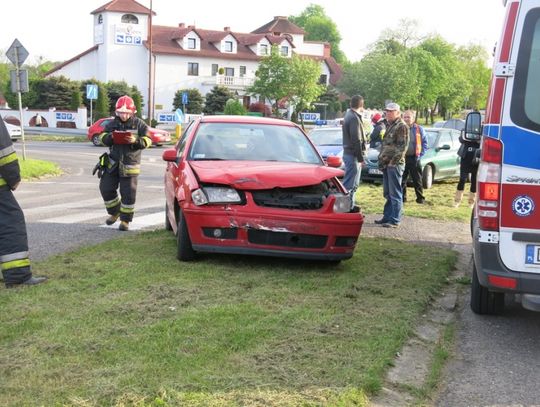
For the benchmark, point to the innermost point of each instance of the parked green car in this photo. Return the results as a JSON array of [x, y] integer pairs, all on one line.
[[439, 162]]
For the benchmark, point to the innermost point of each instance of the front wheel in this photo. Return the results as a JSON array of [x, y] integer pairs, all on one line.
[[184, 250], [95, 140], [484, 301], [427, 177]]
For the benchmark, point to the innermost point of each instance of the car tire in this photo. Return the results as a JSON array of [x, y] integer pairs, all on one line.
[[95, 140], [184, 250], [483, 301], [427, 177], [168, 225]]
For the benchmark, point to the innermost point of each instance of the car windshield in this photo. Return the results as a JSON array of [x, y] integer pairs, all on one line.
[[327, 137], [253, 142], [431, 137]]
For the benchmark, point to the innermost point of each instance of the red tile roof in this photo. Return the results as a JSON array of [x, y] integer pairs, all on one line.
[[124, 6], [280, 25]]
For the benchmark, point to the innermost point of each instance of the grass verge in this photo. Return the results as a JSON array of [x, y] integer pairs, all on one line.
[[124, 323], [32, 169], [438, 206]]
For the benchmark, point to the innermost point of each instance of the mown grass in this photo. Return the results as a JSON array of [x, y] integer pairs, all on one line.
[[32, 169], [124, 323], [438, 205]]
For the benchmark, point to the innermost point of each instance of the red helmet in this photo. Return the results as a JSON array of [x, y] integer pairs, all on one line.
[[375, 118], [125, 104]]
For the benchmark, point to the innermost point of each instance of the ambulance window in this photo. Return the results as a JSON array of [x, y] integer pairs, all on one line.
[[525, 106]]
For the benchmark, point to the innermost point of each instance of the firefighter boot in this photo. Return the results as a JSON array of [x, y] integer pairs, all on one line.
[[111, 219], [472, 199], [124, 226], [458, 198]]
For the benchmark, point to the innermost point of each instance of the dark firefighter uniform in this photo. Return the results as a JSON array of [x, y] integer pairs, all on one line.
[[13, 239], [124, 167]]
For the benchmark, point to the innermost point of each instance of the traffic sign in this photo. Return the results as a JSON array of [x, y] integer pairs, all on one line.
[[16, 53], [91, 91], [19, 84], [184, 98]]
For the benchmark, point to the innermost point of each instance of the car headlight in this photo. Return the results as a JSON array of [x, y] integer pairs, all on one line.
[[342, 203], [213, 195]]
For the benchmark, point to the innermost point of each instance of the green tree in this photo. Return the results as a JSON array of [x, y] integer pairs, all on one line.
[[272, 78], [116, 89], [304, 87], [76, 99], [216, 99], [103, 108], [137, 100], [234, 107], [56, 92], [332, 105], [195, 101], [474, 58], [319, 27]]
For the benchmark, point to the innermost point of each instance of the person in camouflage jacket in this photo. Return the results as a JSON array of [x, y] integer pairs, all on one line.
[[392, 164]]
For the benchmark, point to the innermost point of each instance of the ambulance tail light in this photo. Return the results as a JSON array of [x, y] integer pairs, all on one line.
[[489, 184]]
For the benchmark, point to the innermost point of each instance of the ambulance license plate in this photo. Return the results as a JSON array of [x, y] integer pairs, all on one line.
[[532, 254], [374, 171]]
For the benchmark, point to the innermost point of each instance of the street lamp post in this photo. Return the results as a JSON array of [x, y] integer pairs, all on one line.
[[150, 70]]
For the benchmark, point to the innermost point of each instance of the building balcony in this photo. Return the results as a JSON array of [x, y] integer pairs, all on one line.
[[231, 82]]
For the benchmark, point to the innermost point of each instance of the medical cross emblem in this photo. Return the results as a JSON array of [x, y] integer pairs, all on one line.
[[523, 205]]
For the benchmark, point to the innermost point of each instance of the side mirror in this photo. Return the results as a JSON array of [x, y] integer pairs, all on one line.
[[473, 127], [334, 161], [170, 155]]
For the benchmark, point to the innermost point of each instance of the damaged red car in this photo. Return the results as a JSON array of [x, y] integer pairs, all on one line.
[[256, 186]]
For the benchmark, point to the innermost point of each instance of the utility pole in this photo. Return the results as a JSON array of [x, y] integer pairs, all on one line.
[[150, 70]]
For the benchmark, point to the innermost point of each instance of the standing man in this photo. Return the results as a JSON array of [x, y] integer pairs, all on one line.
[[126, 136], [14, 260], [416, 149], [354, 144], [392, 164]]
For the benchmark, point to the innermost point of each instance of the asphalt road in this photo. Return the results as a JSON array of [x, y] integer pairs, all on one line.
[[66, 212]]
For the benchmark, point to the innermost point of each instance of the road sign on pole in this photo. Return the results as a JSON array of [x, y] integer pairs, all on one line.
[[17, 54], [19, 80]]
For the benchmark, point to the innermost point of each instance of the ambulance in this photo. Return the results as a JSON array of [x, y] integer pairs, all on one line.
[[506, 219]]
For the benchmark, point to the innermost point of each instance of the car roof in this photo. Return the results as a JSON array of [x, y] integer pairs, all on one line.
[[247, 120]]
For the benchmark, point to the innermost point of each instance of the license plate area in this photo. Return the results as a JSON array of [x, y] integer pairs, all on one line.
[[532, 254], [374, 171]]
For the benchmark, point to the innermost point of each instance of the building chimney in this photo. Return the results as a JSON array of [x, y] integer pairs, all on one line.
[[327, 50], [226, 28], [182, 25], [191, 27]]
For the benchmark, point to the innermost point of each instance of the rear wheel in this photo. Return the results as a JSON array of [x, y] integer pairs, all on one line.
[[184, 250], [427, 177], [484, 301], [95, 140]]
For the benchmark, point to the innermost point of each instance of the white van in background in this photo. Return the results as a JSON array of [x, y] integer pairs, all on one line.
[[506, 219]]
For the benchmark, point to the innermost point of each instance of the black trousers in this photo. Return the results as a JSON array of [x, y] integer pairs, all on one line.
[[414, 170], [125, 205], [13, 240], [466, 168]]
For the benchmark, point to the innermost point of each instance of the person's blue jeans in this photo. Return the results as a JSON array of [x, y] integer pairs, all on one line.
[[392, 192], [351, 179]]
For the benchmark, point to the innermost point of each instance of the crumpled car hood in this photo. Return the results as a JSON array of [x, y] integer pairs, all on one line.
[[262, 175]]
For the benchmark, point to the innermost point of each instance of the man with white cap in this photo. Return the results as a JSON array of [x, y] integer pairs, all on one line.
[[392, 164]]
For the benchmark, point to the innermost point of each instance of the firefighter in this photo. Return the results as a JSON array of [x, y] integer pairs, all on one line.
[[13, 239], [124, 162]]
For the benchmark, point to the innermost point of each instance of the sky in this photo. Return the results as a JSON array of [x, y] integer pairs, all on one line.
[[58, 30]]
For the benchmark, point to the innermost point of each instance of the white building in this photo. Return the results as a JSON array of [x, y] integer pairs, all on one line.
[[183, 56]]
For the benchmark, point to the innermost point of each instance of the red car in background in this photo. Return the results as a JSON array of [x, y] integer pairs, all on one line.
[[158, 136], [256, 186]]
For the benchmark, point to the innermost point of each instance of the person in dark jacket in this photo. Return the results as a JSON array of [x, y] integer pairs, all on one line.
[[416, 149], [14, 260], [126, 136], [379, 127], [354, 144], [468, 165]]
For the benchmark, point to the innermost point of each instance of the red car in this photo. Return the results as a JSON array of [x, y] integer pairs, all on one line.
[[158, 136], [253, 185]]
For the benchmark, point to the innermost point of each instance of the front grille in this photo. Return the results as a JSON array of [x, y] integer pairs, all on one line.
[[285, 239], [304, 198]]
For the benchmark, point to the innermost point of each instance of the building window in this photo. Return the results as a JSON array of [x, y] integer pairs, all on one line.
[[215, 68], [242, 71], [193, 69], [130, 19], [284, 50], [100, 19], [229, 71], [264, 49], [323, 79], [191, 43], [228, 46]]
